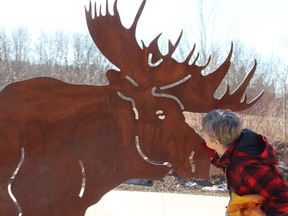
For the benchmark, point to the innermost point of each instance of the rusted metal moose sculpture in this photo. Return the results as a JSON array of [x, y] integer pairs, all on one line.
[[64, 146]]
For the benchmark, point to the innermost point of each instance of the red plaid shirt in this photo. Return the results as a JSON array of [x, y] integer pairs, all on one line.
[[254, 173]]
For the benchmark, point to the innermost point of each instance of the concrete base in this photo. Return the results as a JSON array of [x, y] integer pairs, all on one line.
[[132, 203]]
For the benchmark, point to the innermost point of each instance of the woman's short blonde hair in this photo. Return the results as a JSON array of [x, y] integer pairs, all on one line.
[[222, 125]]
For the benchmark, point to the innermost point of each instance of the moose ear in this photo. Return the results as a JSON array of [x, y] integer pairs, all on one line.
[[114, 77], [120, 82]]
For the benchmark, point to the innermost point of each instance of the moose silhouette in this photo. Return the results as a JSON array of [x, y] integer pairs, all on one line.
[[63, 146]]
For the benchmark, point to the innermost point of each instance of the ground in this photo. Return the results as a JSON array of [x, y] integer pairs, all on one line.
[[214, 186], [173, 184]]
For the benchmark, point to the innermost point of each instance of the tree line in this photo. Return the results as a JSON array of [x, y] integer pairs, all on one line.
[[71, 58], [74, 58]]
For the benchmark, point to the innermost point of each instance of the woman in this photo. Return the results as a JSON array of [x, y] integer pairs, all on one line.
[[256, 186]]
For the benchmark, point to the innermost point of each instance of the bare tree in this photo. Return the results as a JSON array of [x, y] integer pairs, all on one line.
[[283, 78], [19, 55], [83, 51], [203, 34], [5, 46], [60, 51], [284, 82], [5, 57], [51, 51], [21, 42], [44, 51], [89, 63]]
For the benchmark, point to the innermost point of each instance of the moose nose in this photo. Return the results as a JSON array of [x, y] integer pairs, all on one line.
[[160, 114]]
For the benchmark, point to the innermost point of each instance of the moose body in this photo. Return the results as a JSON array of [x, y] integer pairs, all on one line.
[[57, 125], [63, 146]]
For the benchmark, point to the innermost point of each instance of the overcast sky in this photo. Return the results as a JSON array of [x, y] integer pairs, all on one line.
[[260, 24]]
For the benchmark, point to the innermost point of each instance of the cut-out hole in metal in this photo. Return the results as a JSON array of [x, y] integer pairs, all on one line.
[[83, 179], [153, 64], [158, 163], [160, 115], [132, 81], [176, 83], [136, 113], [191, 161], [153, 92], [159, 112], [18, 207]]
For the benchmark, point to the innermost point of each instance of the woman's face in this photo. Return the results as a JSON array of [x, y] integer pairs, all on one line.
[[210, 142]]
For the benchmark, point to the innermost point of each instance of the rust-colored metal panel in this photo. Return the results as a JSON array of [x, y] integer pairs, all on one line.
[[63, 146]]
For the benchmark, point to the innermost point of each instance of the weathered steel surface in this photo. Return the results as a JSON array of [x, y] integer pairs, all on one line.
[[74, 143]]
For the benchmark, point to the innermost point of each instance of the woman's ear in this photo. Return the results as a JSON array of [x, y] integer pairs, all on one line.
[[220, 149], [217, 143]]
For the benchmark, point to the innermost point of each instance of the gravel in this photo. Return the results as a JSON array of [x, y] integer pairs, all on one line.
[[173, 184]]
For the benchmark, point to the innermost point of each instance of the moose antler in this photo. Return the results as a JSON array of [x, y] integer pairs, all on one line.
[[161, 73], [197, 92], [119, 45], [113, 40]]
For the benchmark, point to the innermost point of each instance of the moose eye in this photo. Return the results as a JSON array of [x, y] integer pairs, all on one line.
[[160, 114]]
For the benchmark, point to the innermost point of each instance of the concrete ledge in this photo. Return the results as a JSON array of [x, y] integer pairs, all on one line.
[[132, 203]]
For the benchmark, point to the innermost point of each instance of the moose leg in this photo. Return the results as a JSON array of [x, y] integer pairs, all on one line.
[[49, 184], [7, 205], [10, 156]]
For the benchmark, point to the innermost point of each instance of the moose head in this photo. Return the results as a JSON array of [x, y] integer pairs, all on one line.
[[160, 89], [63, 146]]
